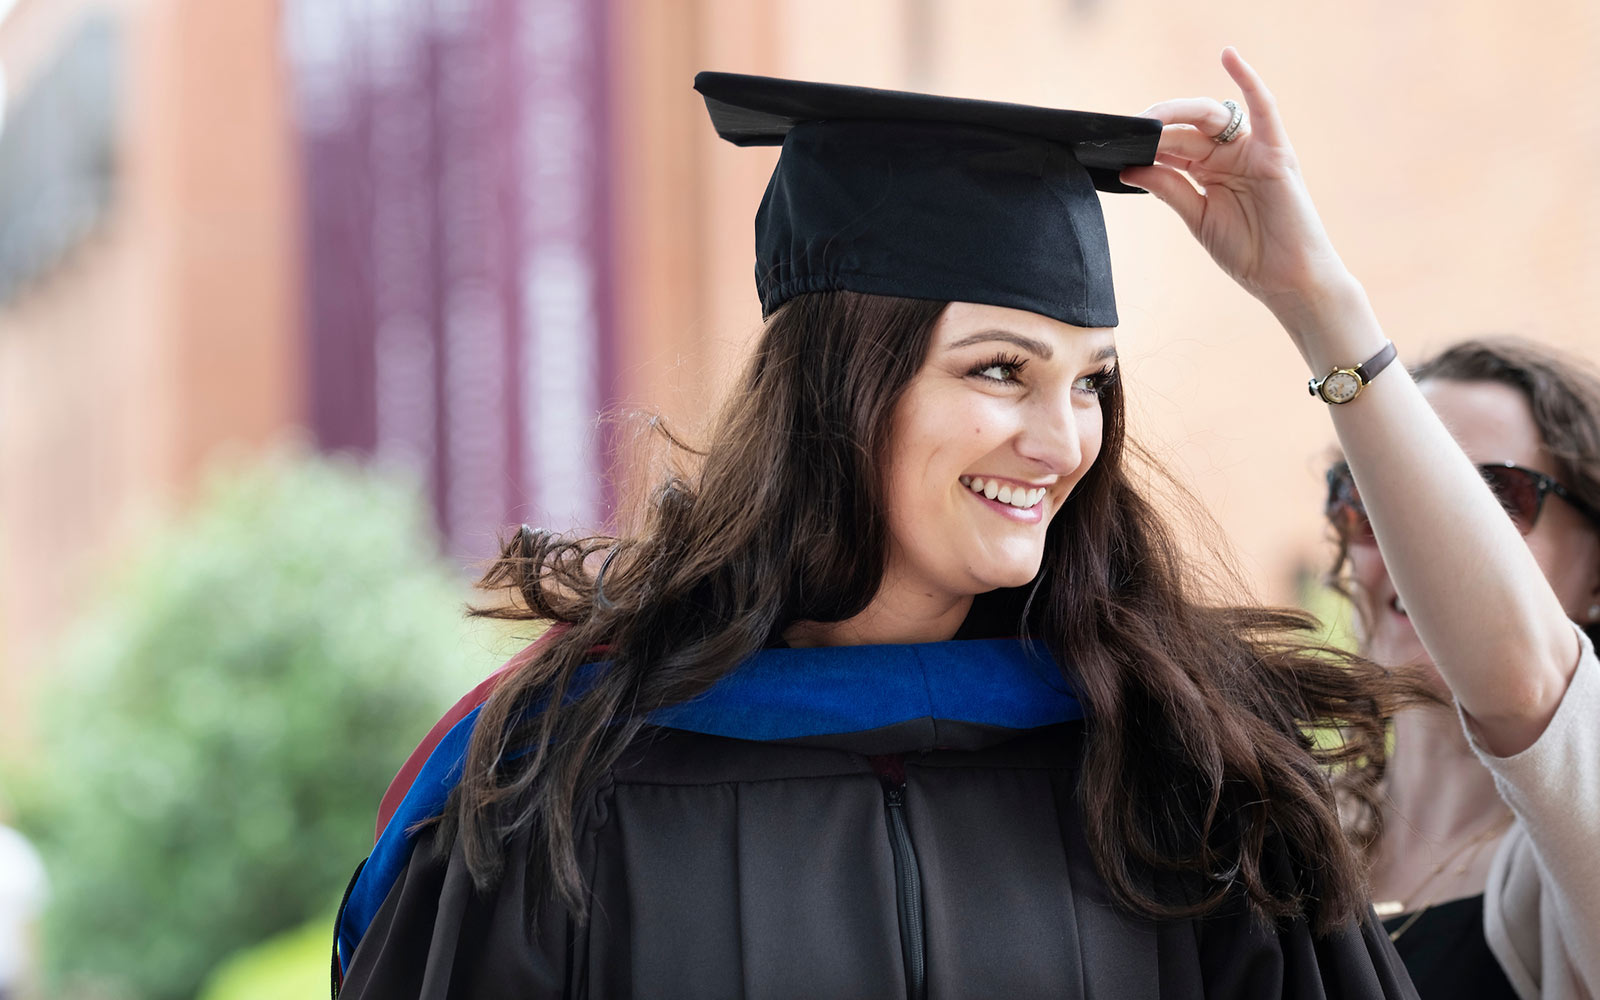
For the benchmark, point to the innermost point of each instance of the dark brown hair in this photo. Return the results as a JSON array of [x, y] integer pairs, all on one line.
[[1198, 758]]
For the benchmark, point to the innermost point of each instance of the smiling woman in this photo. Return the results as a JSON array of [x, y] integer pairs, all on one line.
[[905, 689]]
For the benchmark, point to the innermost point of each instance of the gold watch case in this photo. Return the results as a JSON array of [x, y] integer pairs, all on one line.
[[1340, 385]]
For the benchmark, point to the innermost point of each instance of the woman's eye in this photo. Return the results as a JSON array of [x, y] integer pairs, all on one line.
[[1096, 383], [1004, 369]]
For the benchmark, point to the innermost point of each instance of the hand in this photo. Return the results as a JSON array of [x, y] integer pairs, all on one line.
[[1251, 210]]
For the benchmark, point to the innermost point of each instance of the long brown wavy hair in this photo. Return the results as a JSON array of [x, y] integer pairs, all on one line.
[[1198, 759]]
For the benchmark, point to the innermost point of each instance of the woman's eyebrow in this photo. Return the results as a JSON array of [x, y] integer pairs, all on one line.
[[1038, 347]]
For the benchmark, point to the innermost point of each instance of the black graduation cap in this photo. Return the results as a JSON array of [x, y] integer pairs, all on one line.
[[927, 197]]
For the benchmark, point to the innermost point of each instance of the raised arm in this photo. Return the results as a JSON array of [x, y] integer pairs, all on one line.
[[1475, 594]]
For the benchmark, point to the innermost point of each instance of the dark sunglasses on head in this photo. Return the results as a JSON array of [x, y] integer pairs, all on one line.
[[1520, 491]]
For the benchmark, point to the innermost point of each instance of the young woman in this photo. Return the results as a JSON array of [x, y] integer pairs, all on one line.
[[1468, 873], [905, 689]]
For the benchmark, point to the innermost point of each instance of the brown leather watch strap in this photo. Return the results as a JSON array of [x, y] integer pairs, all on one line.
[[1378, 362]]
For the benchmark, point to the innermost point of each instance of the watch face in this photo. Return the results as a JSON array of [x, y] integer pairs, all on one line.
[[1341, 387]]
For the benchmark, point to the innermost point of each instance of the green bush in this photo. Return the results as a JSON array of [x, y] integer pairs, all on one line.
[[291, 966], [220, 728]]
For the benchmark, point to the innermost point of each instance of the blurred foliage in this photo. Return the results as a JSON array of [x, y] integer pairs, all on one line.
[[219, 729], [1330, 607], [290, 966], [1338, 630]]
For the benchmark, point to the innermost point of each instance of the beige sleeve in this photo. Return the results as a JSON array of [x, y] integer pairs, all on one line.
[[1542, 903]]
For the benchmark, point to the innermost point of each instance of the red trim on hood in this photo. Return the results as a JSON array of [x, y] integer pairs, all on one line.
[[477, 696]]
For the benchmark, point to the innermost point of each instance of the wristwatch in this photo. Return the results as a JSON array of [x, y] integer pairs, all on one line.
[[1344, 384]]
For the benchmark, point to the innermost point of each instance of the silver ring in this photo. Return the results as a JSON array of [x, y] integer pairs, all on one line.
[[1228, 134]]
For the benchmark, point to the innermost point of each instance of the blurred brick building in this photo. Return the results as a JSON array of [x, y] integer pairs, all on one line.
[[149, 282], [447, 233]]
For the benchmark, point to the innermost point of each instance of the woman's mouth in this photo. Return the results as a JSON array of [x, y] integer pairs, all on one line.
[[1022, 503]]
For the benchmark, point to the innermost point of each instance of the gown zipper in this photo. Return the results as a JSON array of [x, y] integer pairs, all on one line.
[[908, 890]]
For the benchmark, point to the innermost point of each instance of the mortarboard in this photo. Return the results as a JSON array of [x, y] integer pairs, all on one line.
[[927, 197]]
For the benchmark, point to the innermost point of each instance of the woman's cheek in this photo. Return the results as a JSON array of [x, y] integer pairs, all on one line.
[[1367, 572]]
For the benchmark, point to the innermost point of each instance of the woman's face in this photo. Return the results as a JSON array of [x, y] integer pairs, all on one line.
[[1006, 401], [1493, 423]]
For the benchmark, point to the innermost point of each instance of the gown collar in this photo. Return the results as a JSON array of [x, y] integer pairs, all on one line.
[[960, 694]]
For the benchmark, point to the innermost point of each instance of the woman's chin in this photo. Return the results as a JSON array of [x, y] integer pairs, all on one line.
[[1008, 577]]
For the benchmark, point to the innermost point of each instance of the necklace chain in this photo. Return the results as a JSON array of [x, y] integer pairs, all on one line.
[[1392, 907]]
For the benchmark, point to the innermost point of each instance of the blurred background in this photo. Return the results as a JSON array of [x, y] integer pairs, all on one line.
[[303, 301]]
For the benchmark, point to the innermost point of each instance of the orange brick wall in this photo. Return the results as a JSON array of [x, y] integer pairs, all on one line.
[[171, 333]]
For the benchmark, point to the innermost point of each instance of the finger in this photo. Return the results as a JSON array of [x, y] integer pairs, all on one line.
[[1175, 161], [1186, 141], [1171, 187], [1206, 114], [1258, 100]]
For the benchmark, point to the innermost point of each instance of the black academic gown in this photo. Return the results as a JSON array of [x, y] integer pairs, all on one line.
[[941, 855]]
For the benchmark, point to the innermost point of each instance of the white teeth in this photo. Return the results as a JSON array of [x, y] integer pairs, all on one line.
[[1017, 496], [1399, 605]]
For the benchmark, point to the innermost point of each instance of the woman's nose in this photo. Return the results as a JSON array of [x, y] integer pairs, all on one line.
[[1052, 436]]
